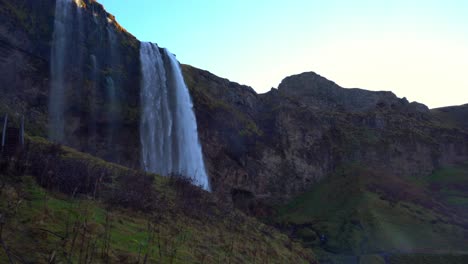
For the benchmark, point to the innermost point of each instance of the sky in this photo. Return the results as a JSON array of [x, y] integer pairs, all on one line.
[[417, 49]]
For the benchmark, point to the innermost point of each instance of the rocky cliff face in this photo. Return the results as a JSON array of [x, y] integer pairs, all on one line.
[[279, 143], [103, 52], [24, 53], [270, 145]]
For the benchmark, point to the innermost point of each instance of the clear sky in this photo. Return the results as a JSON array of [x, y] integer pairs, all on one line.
[[416, 48]]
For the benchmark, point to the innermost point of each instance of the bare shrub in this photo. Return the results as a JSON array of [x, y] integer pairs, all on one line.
[[134, 190], [191, 197]]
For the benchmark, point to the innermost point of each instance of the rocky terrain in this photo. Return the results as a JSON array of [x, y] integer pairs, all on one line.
[[279, 143], [265, 153]]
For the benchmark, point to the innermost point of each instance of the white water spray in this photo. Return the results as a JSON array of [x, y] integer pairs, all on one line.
[[168, 128]]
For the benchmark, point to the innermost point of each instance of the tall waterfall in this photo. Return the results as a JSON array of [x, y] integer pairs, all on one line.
[[111, 85], [93, 114], [112, 110], [168, 128], [85, 79], [67, 59], [61, 41]]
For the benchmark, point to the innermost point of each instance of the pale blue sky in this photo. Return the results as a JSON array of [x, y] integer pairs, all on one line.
[[417, 49]]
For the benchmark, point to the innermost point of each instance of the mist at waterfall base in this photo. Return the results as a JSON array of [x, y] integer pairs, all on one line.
[[168, 128]]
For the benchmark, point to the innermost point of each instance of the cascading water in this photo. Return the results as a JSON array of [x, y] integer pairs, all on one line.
[[113, 104], [81, 95], [112, 109], [156, 121], [92, 127], [61, 41], [67, 59], [168, 128], [190, 158]]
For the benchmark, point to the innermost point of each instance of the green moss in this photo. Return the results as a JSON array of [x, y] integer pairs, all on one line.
[[250, 129]]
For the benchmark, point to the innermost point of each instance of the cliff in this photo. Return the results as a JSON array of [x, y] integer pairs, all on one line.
[[105, 53], [280, 143], [273, 145]]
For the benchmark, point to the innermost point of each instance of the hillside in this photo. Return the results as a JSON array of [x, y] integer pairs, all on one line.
[[90, 211], [360, 212]]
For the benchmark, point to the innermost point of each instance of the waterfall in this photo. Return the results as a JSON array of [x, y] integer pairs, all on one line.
[[112, 98], [168, 128], [60, 44], [66, 71], [93, 114], [112, 109], [156, 119], [5, 123]]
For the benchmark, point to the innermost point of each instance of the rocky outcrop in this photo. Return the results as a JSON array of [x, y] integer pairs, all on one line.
[[278, 144], [256, 146], [320, 93]]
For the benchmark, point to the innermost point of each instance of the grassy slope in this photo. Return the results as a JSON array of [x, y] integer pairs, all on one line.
[[41, 224], [361, 212]]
